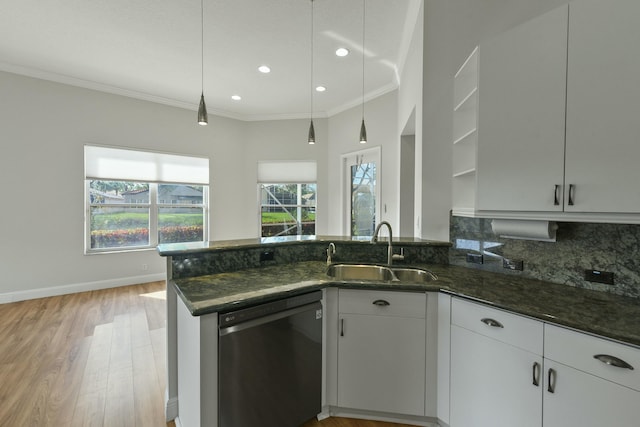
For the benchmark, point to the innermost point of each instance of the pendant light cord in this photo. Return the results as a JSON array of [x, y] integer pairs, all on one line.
[[311, 83], [364, 8], [202, 45]]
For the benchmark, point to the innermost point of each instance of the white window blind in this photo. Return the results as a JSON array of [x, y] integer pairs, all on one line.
[[284, 172], [121, 164]]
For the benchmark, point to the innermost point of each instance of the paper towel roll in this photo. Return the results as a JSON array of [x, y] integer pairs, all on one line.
[[544, 231]]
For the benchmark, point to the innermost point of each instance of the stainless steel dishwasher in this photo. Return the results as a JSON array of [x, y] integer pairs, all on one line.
[[270, 363]]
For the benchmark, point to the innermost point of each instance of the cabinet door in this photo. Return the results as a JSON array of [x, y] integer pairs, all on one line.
[[492, 383], [581, 399], [381, 363], [522, 82], [603, 143]]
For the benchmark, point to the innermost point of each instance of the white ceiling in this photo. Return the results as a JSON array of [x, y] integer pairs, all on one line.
[[151, 49]]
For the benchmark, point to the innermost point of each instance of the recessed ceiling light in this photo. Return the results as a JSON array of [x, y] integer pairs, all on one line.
[[342, 51], [264, 69], [321, 89], [236, 97]]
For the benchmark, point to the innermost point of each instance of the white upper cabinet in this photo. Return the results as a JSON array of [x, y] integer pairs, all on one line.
[[557, 116], [603, 106], [522, 116]]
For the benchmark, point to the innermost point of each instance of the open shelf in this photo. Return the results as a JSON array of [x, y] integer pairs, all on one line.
[[465, 136], [470, 136], [468, 101]]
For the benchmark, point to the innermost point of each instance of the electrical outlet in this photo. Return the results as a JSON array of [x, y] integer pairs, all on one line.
[[267, 255], [513, 264], [475, 258], [598, 276]]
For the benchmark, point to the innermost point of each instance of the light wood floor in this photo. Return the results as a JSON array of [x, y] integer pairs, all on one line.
[[92, 359]]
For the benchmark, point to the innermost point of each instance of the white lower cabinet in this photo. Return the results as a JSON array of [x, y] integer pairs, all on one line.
[[496, 368], [590, 382], [501, 377], [381, 351]]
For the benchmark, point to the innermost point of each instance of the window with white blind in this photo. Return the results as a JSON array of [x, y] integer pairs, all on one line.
[[287, 193], [137, 199]]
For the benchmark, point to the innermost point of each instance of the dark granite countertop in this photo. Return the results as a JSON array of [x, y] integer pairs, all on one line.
[[607, 315], [168, 249]]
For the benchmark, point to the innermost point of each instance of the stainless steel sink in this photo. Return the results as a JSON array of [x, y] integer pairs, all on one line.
[[360, 272], [413, 274], [379, 273]]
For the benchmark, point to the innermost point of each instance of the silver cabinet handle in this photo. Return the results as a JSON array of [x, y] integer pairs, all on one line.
[[491, 322], [551, 381], [341, 327], [572, 191], [613, 361], [381, 303], [556, 198], [536, 374]]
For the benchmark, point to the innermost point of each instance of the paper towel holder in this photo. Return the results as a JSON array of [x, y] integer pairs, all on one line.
[[537, 230]]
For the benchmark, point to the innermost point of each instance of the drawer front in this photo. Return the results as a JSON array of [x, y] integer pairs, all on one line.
[[512, 329], [577, 350], [383, 303]]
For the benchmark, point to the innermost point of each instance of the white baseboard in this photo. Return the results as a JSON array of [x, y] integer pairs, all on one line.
[[385, 417], [9, 297], [171, 410]]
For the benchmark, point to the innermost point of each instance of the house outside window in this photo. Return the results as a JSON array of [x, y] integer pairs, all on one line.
[[132, 214]]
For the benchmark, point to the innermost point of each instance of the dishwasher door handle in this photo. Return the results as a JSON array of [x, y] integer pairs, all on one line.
[[269, 318]]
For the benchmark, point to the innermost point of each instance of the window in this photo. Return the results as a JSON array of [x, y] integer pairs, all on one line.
[[287, 209], [125, 212], [287, 195], [361, 192]]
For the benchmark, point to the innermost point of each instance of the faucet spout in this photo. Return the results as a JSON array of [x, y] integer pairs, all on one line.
[[375, 237]]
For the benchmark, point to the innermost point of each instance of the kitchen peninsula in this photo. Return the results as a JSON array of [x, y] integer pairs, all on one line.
[[204, 279]]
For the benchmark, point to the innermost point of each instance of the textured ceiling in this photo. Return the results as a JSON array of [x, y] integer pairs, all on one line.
[[151, 49]]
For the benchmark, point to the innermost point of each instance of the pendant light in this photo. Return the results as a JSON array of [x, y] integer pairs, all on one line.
[[312, 132], [363, 129], [203, 117]]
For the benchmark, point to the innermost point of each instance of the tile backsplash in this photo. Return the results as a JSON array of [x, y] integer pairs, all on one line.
[[579, 247]]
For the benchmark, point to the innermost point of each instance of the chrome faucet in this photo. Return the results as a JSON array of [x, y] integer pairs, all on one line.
[[331, 250], [374, 239]]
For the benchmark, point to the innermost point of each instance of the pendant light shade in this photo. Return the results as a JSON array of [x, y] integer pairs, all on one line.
[[363, 129], [363, 133], [203, 117], [312, 132]]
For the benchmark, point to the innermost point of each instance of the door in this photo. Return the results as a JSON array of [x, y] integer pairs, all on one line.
[[361, 192], [493, 383], [602, 106], [576, 398], [521, 116], [381, 363]]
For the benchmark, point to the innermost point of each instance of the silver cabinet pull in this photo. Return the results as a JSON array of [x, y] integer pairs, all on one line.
[[613, 361], [341, 327], [536, 374], [556, 198], [381, 303], [491, 322], [572, 191], [551, 381]]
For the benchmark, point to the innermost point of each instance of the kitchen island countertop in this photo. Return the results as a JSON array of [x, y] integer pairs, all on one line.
[[603, 314]]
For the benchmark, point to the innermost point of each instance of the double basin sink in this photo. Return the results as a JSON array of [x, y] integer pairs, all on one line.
[[380, 273]]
